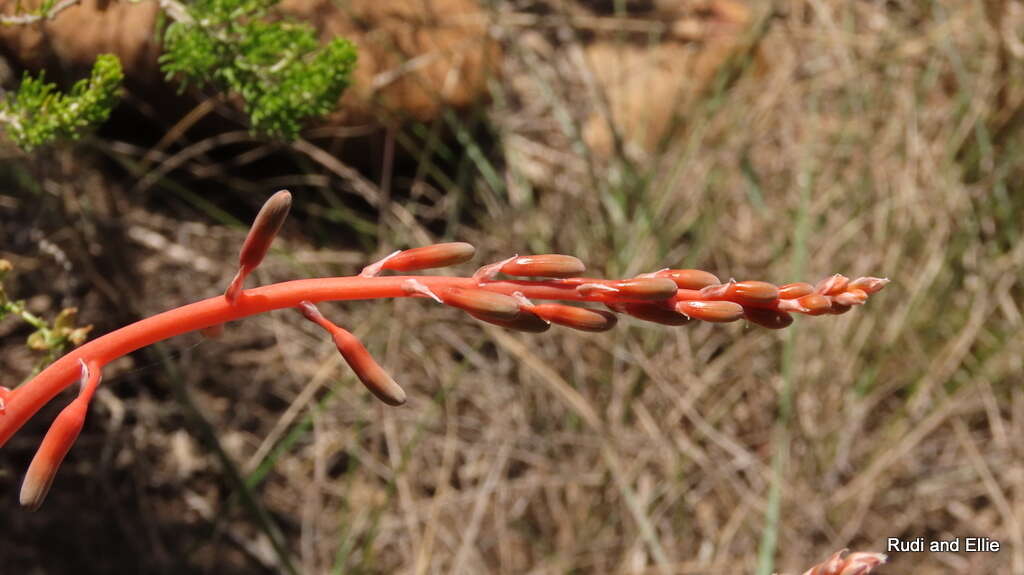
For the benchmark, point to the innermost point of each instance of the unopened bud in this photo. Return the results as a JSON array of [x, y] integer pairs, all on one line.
[[525, 321], [712, 311], [491, 304], [814, 304], [653, 289], [795, 290], [655, 312], [367, 369], [689, 279], [838, 308], [752, 292], [768, 318], [868, 284], [544, 265], [833, 285], [429, 257], [264, 229], [851, 297], [580, 318], [262, 233], [57, 442]]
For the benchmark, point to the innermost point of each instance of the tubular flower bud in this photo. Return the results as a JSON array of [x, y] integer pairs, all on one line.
[[544, 265], [656, 312], [851, 297], [588, 289], [815, 304], [689, 279], [57, 442], [713, 311], [795, 290], [367, 369], [526, 321], [491, 304], [428, 257], [653, 289], [853, 564], [262, 233], [580, 318], [833, 285], [768, 318], [752, 292], [358, 358], [868, 284]]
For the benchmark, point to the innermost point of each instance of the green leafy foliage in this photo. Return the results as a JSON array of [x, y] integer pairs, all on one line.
[[279, 69], [37, 113]]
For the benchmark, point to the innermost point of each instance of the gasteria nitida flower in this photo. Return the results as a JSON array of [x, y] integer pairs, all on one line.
[[531, 304]]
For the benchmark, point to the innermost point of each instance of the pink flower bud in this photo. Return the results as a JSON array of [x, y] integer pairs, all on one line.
[[768, 318], [655, 312], [544, 265], [868, 284], [795, 290], [833, 285], [653, 289], [429, 257], [689, 279], [493, 305], [713, 311], [580, 318]]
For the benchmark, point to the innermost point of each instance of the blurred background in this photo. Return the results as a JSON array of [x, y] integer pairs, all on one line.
[[781, 141]]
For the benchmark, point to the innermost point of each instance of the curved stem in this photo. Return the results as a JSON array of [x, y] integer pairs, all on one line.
[[25, 401]]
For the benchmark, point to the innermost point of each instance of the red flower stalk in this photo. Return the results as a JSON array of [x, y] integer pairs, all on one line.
[[668, 296], [840, 563]]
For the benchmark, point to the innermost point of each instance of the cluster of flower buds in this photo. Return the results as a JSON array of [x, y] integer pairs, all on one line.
[[840, 563], [668, 296]]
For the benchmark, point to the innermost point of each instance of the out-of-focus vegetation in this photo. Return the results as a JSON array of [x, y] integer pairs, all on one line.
[[781, 141]]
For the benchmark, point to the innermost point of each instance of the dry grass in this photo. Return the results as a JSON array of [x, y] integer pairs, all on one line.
[[862, 138]]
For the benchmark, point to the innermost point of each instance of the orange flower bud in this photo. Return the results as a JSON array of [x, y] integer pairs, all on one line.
[[868, 284], [264, 229], [493, 305], [752, 292], [713, 311], [795, 290], [262, 233], [544, 265], [655, 312], [814, 304], [525, 321], [851, 297], [689, 279], [362, 363], [580, 318], [653, 289], [833, 285], [428, 257], [768, 318], [367, 369], [57, 442]]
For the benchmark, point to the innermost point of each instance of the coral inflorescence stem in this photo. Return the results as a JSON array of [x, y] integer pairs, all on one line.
[[673, 297]]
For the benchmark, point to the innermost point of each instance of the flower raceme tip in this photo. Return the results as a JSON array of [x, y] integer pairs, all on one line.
[[667, 296]]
